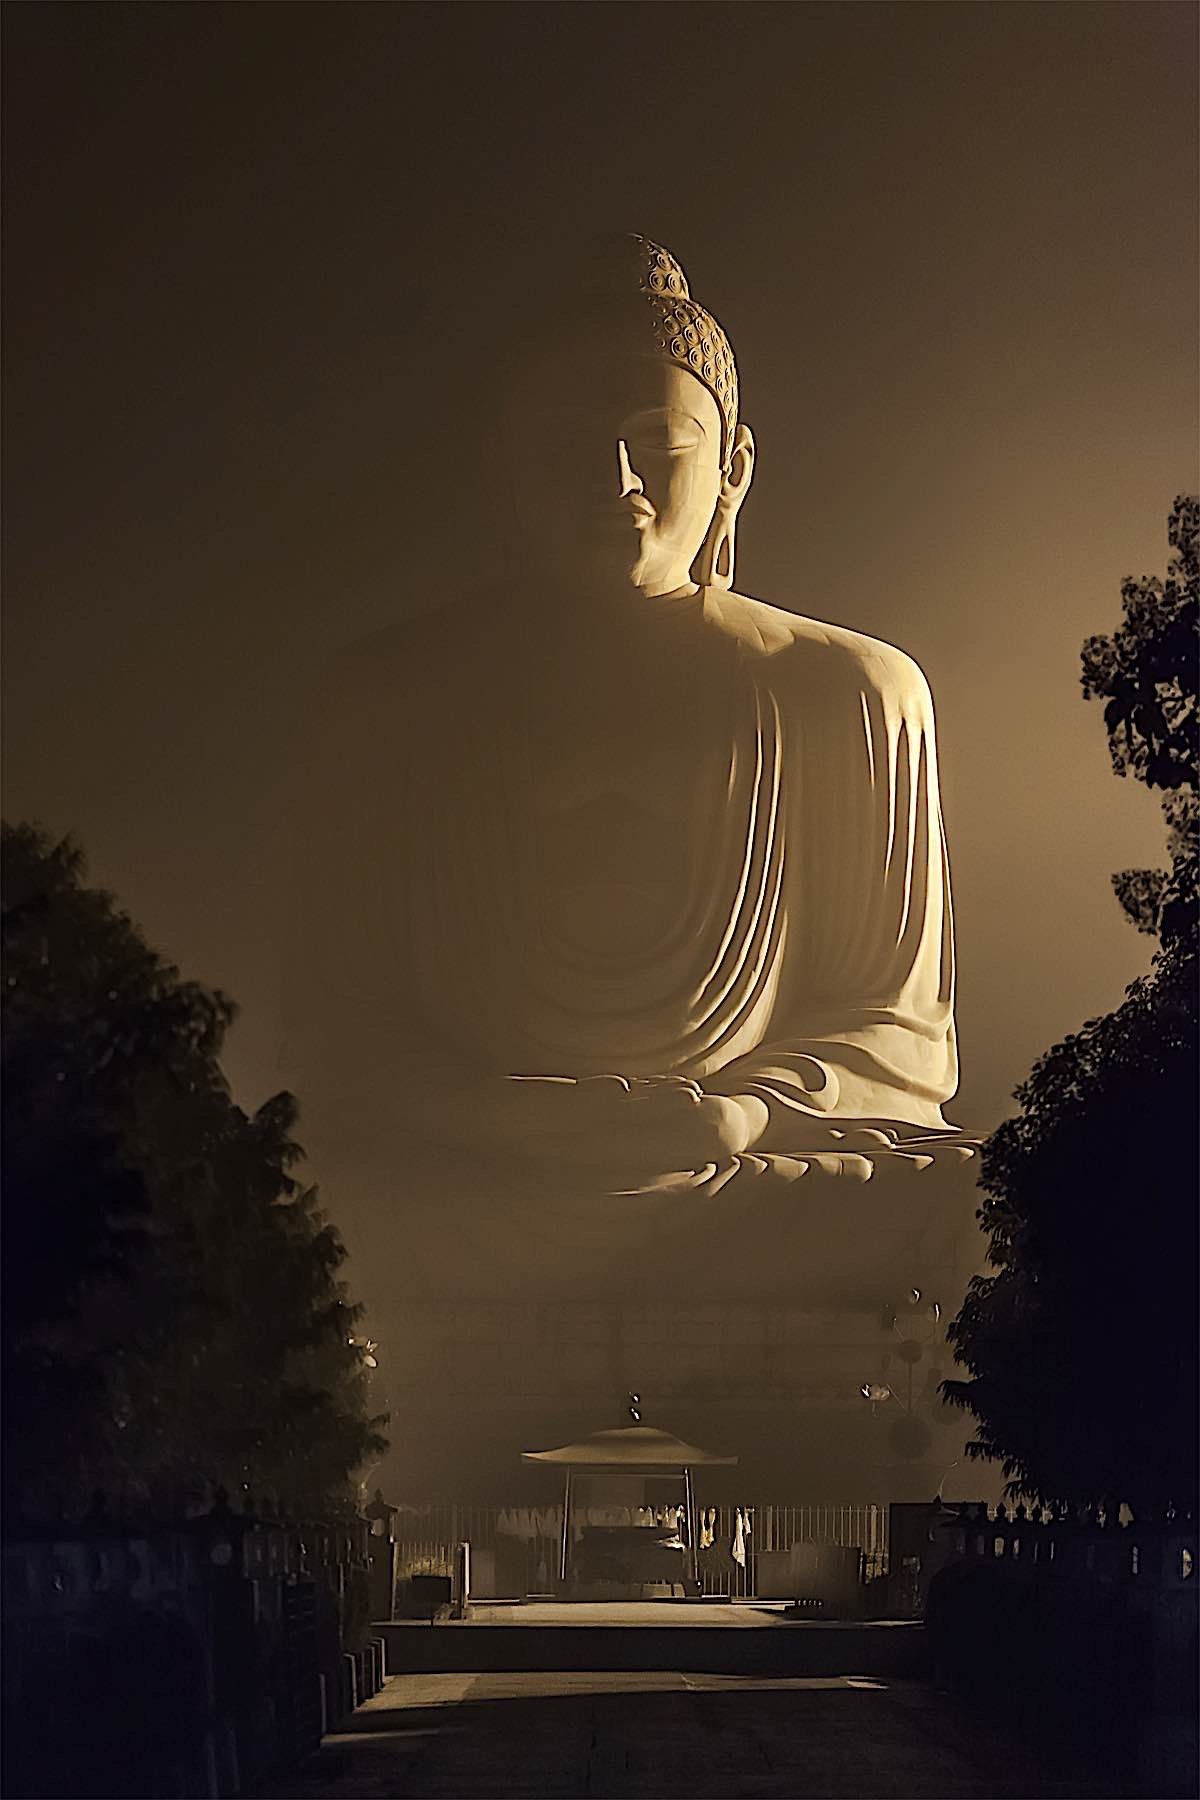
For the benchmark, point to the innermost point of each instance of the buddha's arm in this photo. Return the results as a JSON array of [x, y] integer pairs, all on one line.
[[862, 1025]]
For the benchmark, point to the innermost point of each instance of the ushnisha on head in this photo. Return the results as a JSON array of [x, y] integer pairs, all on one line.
[[627, 459], [684, 332]]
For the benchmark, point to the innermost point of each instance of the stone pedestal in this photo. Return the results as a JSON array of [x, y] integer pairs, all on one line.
[[778, 1386], [749, 1322], [774, 1385], [758, 1344]]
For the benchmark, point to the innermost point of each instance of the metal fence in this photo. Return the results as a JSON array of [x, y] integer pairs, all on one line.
[[775, 1527], [197, 1658], [425, 1539], [1081, 1631]]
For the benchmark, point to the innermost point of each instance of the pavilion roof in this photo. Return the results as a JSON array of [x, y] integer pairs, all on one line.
[[629, 1447]]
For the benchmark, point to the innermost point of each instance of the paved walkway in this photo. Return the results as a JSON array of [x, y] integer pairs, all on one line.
[[655, 1736], [625, 1613]]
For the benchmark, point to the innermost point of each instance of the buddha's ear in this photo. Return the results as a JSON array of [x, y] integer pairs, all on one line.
[[739, 472], [713, 566]]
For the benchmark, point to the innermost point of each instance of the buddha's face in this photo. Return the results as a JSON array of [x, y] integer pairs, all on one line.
[[614, 468]]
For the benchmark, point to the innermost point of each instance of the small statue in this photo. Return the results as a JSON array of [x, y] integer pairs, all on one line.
[[624, 886]]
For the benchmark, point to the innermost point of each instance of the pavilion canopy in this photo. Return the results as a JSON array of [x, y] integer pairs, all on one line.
[[630, 1447]]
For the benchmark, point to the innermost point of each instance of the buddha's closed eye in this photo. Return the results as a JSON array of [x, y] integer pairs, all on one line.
[[656, 447]]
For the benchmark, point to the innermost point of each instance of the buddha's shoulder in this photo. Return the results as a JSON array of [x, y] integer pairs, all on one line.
[[796, 649]]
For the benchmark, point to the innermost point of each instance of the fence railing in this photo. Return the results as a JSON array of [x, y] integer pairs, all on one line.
[[192, 1658], [426, 1539], [774, 1527], [1041, 1544], [1083, 1628]]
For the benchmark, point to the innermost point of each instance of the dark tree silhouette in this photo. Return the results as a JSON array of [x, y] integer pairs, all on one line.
[[173, 1315], [1146, 672], [1081, 1348]]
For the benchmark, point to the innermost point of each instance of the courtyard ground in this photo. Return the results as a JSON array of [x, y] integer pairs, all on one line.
[[660, 1734]]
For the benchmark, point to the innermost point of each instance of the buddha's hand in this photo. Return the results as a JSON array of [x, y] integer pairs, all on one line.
[[631, 1127]]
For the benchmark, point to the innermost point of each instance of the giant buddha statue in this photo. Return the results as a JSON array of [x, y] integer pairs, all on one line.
[[625, 901]]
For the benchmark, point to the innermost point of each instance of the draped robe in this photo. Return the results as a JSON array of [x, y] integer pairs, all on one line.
[[695, 836]]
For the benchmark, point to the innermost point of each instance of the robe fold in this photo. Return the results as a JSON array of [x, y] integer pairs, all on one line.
[[701, 837]]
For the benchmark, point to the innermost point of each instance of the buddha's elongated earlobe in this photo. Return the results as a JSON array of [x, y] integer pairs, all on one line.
[[713, 566]]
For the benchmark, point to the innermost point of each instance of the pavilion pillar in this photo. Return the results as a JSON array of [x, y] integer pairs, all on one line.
[[566, 1532]]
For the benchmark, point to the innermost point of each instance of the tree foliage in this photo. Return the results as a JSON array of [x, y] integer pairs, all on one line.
[[1081, 1348], [1146, 674], [174, 1318]]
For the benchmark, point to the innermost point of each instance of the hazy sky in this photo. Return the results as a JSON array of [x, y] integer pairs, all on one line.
[[251, 251]]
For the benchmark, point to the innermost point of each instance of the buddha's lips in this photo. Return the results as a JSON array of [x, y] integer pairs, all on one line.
[[627, 512]]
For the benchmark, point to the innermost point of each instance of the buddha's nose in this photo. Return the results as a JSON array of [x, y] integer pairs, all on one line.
[[631, 482]]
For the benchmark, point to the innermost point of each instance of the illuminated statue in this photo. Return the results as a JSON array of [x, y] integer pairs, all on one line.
[[623, 888]]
